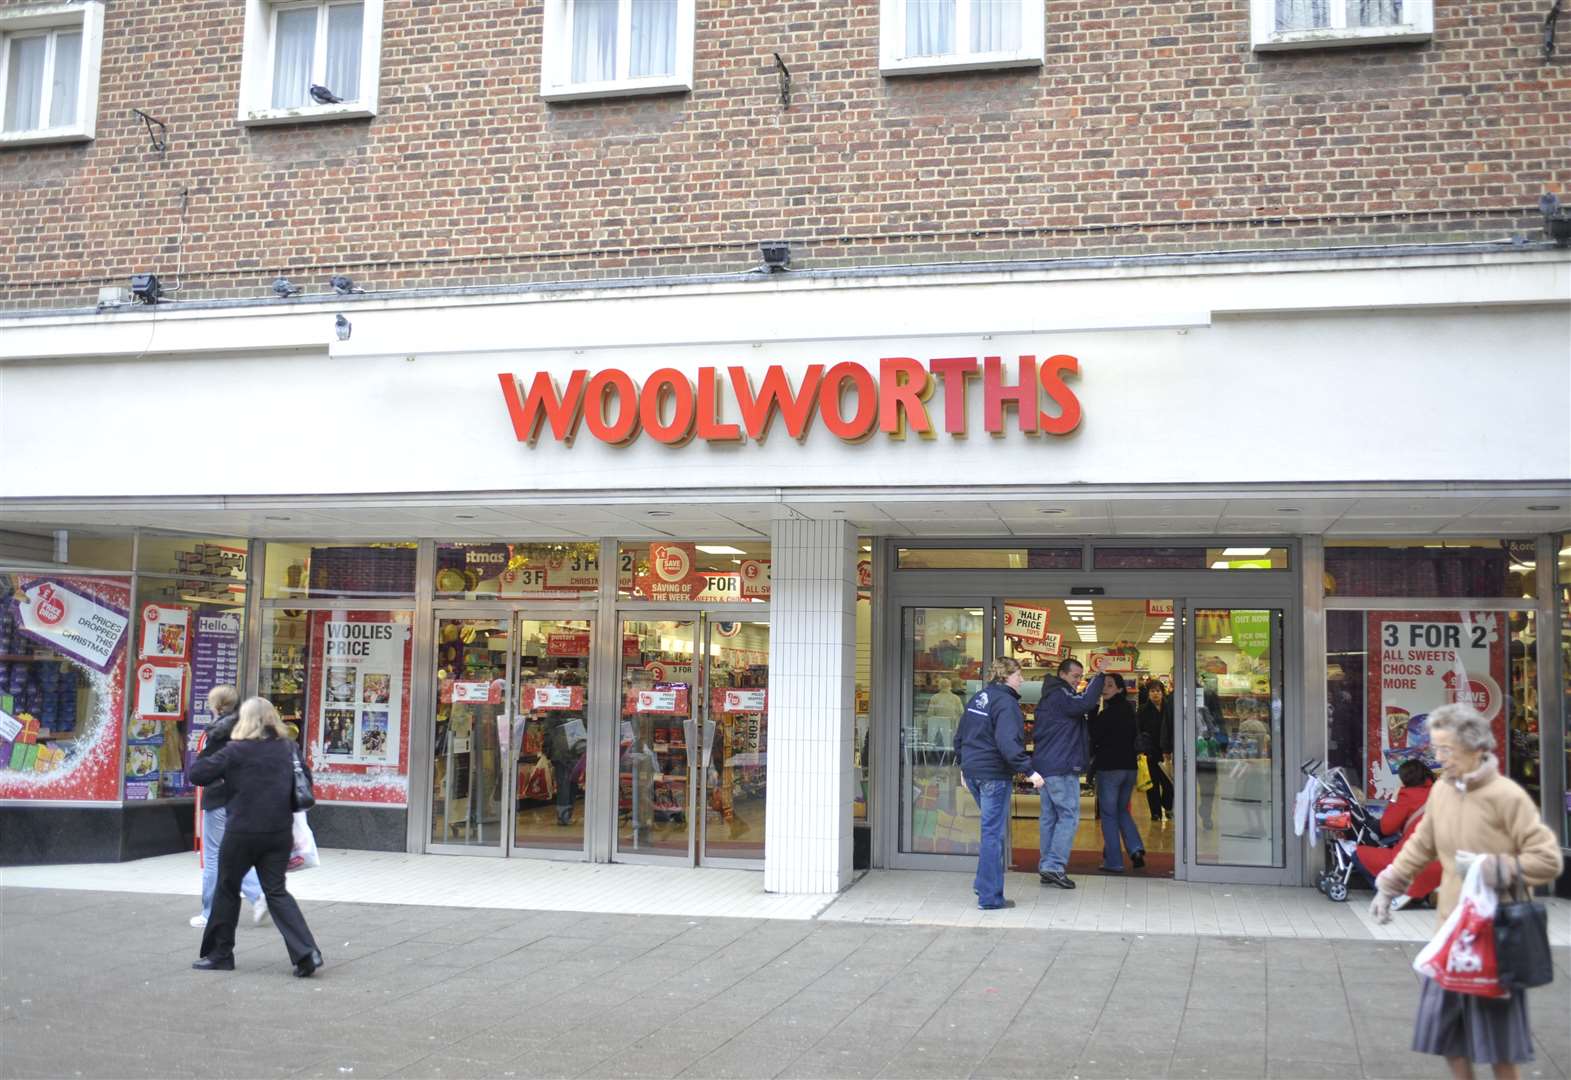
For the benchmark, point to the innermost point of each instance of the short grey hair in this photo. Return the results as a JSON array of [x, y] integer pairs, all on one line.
[[1465, 722], [223, 699]]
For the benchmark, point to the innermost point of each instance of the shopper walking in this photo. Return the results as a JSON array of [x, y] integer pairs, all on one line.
[[1114, 767], [1473, 812], [990, 746], [1061, 753], [223, 702], [258, 767], [1154, 740]]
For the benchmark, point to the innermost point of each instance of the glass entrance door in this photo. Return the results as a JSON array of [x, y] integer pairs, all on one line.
[[694, 739], [470, 773], [551, 732], [945, 649], [1232, 702], [736, 740]]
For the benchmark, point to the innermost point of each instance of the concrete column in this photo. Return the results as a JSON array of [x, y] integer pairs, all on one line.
[[812, 673]]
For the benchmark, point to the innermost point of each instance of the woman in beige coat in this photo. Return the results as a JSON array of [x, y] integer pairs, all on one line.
[[1473, 810]]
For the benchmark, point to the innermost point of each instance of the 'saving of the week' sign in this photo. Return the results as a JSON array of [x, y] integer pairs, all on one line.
[[851, 401]]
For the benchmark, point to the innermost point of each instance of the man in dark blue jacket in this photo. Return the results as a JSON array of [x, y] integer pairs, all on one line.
[[990, 749], [1062, 751]]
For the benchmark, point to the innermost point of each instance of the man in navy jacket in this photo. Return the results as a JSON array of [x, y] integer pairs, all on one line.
[[1062, 752], [990, 748]]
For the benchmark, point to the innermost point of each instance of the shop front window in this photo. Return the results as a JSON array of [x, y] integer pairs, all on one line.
[[311, 571], [1478, 569], [1238, 557], [1387, 669], [63, 649], [518, 571], [1564, 591], [187, 635], [685, 571], [983, 558], [342, 679]]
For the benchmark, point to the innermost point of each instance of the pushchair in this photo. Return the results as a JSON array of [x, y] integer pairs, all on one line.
[[1346, 822]]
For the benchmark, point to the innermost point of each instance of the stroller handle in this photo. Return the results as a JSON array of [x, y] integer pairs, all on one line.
[[1310, 767]]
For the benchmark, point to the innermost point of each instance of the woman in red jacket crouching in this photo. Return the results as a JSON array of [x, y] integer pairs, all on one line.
[[1402, 816]]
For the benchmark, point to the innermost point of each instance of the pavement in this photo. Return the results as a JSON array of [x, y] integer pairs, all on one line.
[[98, 984]]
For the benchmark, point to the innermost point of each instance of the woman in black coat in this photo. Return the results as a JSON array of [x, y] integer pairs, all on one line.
[[258, 768], [1154, 722], [1113, 762]]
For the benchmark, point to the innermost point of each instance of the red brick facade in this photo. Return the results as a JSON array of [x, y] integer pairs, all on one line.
[[1151, 128]]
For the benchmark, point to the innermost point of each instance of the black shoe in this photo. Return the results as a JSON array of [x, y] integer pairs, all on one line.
[[305, 967], [1055, 877], [1139, 860], [997, 907], [215, 963]]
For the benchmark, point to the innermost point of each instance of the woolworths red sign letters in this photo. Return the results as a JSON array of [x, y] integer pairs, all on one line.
[[853, 401]]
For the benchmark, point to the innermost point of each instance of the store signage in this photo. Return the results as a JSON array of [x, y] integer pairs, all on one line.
[[69, 622], [567, 644], [165, 631], [1252, 632], [756, 579], [1159, 607], [1425, 660], [557, 697], [1049, 644], [850, 400], [657, 701], [1023, 621], [472, 692], [160, 690], [1102, 663], [670, 670], [744, 701]]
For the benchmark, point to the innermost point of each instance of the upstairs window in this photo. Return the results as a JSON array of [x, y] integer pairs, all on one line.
[[1315, 24], [954, 35], [313, 60], [610, 48], [49, 72]]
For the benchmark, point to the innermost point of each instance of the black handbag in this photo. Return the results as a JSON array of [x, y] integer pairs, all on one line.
[[1522, 939], [301, 797]]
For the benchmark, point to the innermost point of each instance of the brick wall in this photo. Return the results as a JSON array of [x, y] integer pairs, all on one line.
[[1151, 128]]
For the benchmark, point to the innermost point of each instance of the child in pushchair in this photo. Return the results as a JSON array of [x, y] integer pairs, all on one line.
[[1347, 824]]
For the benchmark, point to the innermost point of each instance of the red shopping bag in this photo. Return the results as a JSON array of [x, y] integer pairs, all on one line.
[[1462, 955]]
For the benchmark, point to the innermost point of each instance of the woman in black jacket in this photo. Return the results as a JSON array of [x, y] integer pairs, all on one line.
[[1154, 722], [223, 702], [1113, 762], [258, 768]]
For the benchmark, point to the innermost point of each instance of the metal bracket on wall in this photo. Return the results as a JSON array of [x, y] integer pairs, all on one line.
[[1549, 29], [160, 138], [785, 81]]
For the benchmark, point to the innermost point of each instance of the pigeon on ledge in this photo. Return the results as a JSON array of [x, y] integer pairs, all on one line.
[[323, 96]]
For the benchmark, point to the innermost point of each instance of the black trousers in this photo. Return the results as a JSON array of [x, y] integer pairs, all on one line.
[[1159, 796], [269, 853]]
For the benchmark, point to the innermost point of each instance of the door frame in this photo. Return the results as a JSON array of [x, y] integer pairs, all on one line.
[[511, 614], [1285, 756]]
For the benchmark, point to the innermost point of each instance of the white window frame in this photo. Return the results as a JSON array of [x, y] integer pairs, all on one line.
[[892, 42], [1418, 26], [556, 61], [256, 66], [46, 18]]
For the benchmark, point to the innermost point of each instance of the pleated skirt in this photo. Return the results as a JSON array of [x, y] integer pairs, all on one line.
[[1486, 1031]]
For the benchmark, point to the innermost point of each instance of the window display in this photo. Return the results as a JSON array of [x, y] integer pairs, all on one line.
[[188, 637], [358, 670], [339, 571], [681, 572], [568, 571], [63, 647]]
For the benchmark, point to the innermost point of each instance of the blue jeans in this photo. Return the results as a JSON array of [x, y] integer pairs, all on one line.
[[1113, 790], [992, 798], [213, 839], [1060, 819]]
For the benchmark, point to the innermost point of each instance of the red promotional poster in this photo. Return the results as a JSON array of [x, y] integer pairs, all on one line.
[[669, 699], [160, 690], [671, 575], [166, 632], [567, 644], [1420, 660], [74, 755], [357, 706], [547, 697]]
